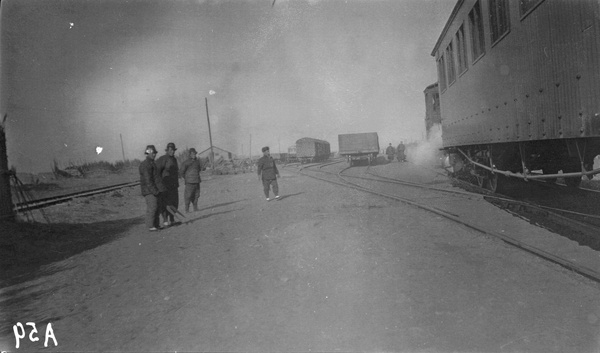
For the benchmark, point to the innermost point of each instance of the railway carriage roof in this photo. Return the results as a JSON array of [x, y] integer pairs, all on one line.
[[445, 30], [312, 140]]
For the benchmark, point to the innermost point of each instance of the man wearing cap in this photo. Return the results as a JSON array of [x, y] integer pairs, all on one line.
[[390, 151], [151, 186], [190, 172], [268, 173], [168, 169]]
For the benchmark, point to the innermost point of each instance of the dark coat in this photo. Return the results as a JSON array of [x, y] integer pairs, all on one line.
[[190, 171], [267, 168], [168, 170], [148, 178]]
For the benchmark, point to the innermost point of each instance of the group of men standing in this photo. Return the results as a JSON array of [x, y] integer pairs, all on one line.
[[159, 181], [390, 151]]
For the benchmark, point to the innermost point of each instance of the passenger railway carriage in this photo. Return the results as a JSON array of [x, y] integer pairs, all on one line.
[[519, 85]]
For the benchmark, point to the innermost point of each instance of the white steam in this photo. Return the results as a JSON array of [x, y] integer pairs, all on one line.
[[427, 152]]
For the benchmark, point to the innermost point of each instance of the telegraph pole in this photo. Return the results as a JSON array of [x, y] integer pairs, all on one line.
[[212, 154], [122, 149]]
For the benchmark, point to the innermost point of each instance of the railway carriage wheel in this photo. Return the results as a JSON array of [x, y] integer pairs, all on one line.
[[481, 180], [573, 182], [573, 167], [494, 182], [550, 170]]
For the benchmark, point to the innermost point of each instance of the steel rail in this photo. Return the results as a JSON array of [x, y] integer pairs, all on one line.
[[53, 200], [408, 183], [556, 213], [486, 195], [582, 270]]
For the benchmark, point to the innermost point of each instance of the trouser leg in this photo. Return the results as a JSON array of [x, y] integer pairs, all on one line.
[[196, 196], [151, 211], [172, 200], [275, 187], [162, 206], [266, 186], [188, 195]]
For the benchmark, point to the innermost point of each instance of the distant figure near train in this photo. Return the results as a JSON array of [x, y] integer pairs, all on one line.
[[268, 173], [400, 152], [390, 151], [168, 169]]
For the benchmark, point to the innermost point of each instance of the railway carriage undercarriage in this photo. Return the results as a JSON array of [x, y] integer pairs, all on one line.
[[487, 164]]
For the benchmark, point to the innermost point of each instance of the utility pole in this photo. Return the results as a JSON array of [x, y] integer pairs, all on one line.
[[122, 149], [250, 148], [212, 154], [6, 206]]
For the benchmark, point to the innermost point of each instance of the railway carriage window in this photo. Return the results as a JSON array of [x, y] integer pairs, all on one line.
[[450, 63], [476, 31], [527, 6], [499, 21], [442, 73], [461, 50]]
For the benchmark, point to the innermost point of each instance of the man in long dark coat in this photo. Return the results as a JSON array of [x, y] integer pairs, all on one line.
[[151, 185], [168, 169]]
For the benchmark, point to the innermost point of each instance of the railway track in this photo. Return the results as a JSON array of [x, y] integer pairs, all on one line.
[[440, 201], [49, 201], [573, 219]]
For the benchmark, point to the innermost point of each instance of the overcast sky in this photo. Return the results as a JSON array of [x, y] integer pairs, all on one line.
[[78, 74]]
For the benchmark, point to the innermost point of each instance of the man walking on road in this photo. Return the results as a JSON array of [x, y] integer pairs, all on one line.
[[400, 152], [390, 152], [152, 187], [268, 173], [169, 171], [190, 172]]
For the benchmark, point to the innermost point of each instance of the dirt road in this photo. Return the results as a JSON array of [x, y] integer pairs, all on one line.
[[324, 269]]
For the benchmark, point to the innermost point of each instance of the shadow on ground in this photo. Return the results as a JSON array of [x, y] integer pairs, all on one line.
[[27, 247], [31, 251]]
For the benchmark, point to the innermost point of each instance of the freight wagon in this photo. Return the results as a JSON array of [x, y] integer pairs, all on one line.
[[291, 156], [280, 157], [360, 146], [519, 89], [312, 150]]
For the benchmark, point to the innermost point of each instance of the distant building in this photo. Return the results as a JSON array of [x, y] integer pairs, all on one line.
[[219, 154], [433, 116]]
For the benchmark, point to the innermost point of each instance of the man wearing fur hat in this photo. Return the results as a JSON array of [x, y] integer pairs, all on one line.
[[190, 172], [152, 186], [168, 169], [268, 173]]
